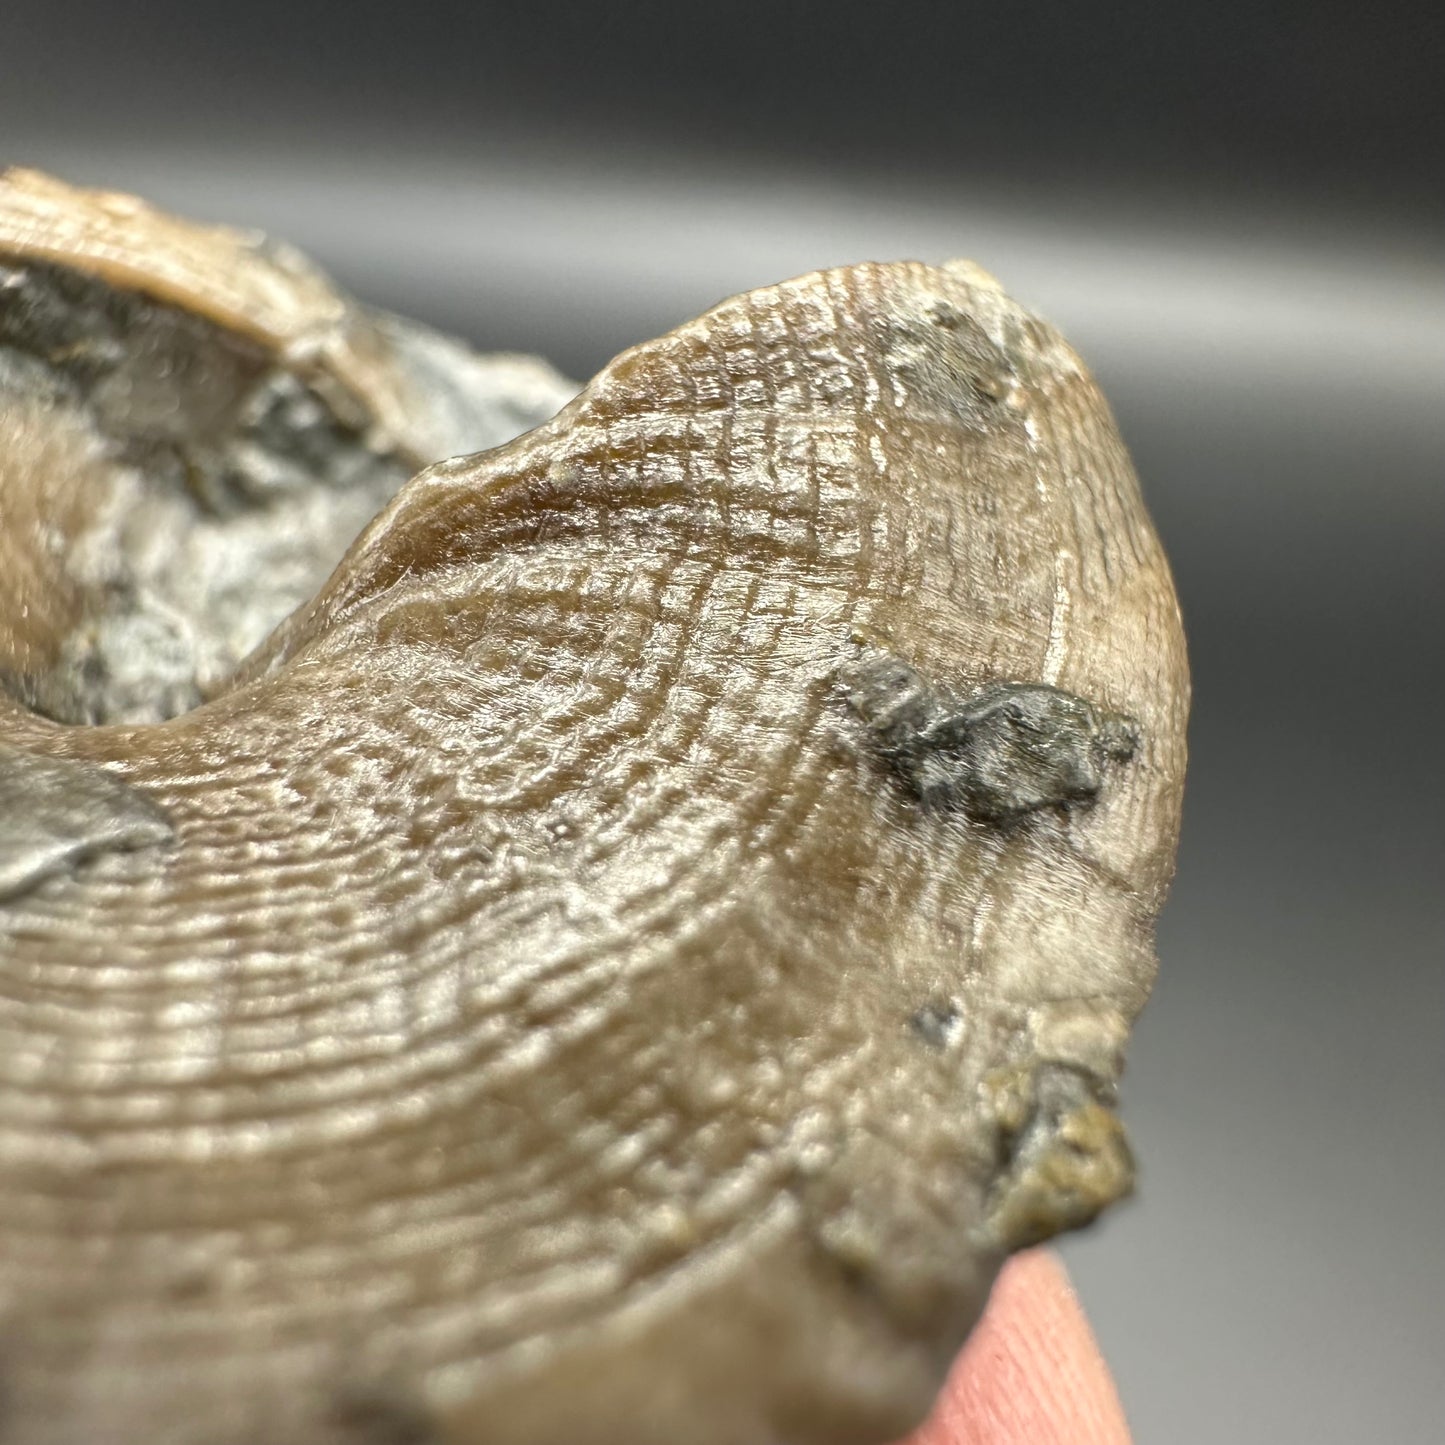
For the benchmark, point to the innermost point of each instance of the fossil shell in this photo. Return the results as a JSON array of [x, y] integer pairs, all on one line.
[[630, 957]]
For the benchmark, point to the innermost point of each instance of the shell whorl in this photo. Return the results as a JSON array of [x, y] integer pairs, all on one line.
[[546, 985]]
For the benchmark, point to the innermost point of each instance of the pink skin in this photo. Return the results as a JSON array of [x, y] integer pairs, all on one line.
[[1031, 1374]]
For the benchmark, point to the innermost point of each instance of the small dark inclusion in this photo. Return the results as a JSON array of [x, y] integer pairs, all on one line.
[[937, 1023]]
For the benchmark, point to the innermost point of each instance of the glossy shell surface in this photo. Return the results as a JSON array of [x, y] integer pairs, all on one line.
[[629, 958]]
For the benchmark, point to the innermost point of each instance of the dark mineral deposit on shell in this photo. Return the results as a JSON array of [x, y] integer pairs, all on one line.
[[612, 937]]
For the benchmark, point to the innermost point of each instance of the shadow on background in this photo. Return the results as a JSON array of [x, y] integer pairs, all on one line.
[[1229, 216]]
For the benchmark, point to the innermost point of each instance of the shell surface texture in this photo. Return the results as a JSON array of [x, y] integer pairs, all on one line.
[[625, 952]]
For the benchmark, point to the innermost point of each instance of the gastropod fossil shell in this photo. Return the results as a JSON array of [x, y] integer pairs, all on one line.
[[629, 957]]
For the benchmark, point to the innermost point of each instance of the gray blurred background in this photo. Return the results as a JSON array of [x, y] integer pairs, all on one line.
[[1237, 214]]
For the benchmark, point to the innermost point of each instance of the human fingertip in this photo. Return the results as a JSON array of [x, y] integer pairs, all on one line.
[[1031, 1373]]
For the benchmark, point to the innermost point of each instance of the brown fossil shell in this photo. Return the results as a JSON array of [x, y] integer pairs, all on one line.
[[626, 961]]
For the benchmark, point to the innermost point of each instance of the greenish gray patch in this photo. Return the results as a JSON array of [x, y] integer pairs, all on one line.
[[1003, 752], [1063, 1161]]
